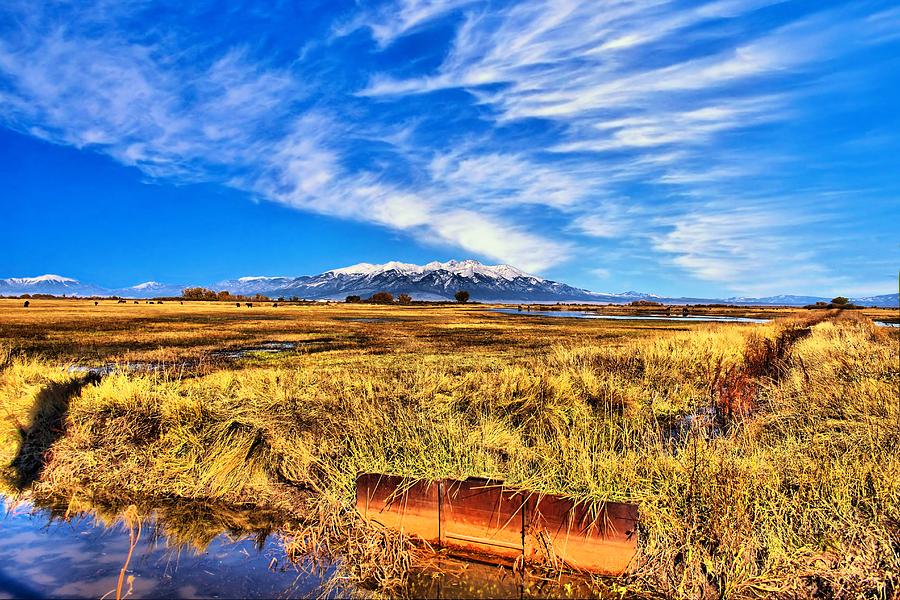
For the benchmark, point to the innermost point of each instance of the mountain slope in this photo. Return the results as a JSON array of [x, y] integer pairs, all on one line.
[[432, 281], [46, 284]]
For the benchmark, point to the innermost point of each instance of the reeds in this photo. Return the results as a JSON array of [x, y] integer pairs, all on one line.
[[786, 480]]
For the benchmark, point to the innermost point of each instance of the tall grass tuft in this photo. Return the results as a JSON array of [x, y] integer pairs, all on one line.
[[764, 460]]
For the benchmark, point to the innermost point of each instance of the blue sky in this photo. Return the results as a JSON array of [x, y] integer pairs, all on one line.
[[698, 148]]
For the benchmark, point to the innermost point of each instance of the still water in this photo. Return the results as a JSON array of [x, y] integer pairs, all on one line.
[[81, 557], [575, 314], [195, 551]]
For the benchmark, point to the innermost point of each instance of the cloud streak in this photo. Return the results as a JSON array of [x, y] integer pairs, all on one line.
[[544, 130]]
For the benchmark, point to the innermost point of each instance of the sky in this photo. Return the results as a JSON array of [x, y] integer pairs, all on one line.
[[718, 148]]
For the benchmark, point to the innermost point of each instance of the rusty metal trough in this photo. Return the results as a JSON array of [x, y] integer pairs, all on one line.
[[482, 518]]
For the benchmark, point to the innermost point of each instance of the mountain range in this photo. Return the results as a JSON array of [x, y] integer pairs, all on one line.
[[433, 281]]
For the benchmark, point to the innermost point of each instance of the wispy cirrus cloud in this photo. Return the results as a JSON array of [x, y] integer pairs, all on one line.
[[230, 118], [544, 130], [658, 118]]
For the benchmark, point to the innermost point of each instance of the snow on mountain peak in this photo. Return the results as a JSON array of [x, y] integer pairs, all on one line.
[[370, 269], [261, 278], [49, 278], [465, 268]]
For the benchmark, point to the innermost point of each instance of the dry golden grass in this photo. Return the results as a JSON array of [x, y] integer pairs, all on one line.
[[792, 488]]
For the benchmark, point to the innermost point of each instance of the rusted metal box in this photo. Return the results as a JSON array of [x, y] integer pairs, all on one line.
[[600, 538], [400, 504], [481, 517]]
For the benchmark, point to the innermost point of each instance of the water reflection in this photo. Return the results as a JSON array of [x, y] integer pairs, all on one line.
[[51, 552], [576, 314], [450, 578], [197, 550]]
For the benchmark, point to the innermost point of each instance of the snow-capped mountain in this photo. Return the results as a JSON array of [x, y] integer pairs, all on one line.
[[148, 289], [432, 281], [253, 285], [464, 268], [56, 285]]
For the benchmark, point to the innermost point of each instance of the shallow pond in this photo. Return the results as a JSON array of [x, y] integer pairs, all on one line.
[[188, 551], [573, 314], [80, 557], [263, 348]]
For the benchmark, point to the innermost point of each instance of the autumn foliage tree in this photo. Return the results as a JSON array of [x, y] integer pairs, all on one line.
[[404, 299], [382, 298], [198, 293]]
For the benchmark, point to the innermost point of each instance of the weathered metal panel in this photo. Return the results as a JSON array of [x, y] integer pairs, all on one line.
[[601, 539], [479, 515], [484, 520], [401, 504]]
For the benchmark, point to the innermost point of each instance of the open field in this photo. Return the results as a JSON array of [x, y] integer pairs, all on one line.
[[785, 478], [79, 331]]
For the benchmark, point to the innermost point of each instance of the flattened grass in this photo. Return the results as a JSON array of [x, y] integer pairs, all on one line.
[[799, 495]]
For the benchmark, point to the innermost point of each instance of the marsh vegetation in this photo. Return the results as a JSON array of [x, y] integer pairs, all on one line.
[[765, 458]]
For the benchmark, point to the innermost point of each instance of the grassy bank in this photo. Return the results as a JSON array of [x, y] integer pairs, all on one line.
[[787, 482]]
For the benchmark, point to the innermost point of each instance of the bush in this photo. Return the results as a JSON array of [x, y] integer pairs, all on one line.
[[198, 293], [840, 301], [382, 298], [462, 296], [353, 299]]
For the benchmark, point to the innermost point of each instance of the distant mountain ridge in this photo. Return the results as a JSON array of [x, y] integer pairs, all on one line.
[[432, 281]]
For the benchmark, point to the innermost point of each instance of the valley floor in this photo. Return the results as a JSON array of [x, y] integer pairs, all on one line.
[[765, 458]]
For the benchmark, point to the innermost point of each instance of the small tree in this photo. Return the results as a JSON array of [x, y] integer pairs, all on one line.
[[840, 301], [404, 299], [382, 298], [198, 293], [223, 296], [462, 296], [353, 299]]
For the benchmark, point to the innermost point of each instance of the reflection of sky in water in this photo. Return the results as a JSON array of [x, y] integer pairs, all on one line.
[[572, 314], [82, 558]]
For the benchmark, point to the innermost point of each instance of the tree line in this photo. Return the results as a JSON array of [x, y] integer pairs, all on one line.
[[461, 296], [199, 293]]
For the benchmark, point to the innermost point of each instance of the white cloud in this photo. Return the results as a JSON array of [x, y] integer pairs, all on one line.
[[396, 20], [634, 101], [495, 179], [481, 234], [750, 249], [230, 118], [304, 172]]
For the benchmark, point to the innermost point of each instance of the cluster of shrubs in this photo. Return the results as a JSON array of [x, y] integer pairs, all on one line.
[[388, 298], [199, 293], [645, 303], [839, 302]]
